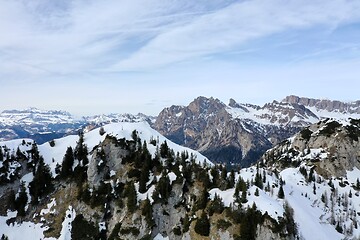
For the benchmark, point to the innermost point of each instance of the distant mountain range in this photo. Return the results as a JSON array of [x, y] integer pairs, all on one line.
[[234, 133], [45, 125]]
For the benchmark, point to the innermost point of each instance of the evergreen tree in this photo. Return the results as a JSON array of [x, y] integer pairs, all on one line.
[[144, 178], [257, 192], [311, 176], [21, 200], [216, 205], [290, 222], [202, 200], [130, 193], [81, 229], [244, 197], [67, 164], [231, 182], [81, 151], [339, 227], [163, 187], [215, 177], [42, 182], [35, 156], [202, 225], [4, 237], [258, 180], [264, 176], [186, 223], [146, 211], [1, 154], [164, 150], [249, 222], [281, 193]]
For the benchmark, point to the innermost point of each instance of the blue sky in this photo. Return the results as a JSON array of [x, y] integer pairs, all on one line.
[[91, 57]]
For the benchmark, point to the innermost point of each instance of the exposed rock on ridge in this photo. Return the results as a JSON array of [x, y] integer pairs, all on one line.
[[323, 104]]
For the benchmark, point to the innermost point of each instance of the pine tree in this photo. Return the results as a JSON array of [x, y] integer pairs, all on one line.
[[202, 225], [67, 164], [202, 200], [339, 227], [249, 222], [257, 192], [311, 177], [244, 197], [1, 154], [163, 187], [42, 181], [4, 237], [258, 180], [81, 150], [290, 222], [21, 200], [281, 193], [231, 181], [216, 205], [146, 211], [164, 150], [130, 193]]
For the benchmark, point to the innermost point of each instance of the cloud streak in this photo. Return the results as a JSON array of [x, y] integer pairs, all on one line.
[[44, 38]]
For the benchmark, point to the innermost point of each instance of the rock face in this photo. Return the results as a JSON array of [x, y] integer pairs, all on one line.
[[329, 105], [207, 126], [240, 133], [332, 146]]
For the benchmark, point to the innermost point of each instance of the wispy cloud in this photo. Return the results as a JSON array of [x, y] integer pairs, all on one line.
[[236, 24], [71, 37]]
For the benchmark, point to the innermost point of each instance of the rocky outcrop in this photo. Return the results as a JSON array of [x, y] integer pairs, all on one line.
[[324, 104], [332, 146]]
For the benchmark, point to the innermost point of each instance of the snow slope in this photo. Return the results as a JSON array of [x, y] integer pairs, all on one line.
[[55, 154]]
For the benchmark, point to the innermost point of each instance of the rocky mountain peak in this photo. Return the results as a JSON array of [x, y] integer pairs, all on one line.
[[325, 104], [203, 105]]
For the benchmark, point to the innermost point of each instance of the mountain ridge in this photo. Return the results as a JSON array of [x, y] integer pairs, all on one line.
[[236, 133]]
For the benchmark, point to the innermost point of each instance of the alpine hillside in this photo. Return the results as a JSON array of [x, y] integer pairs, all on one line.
[[127, 181]]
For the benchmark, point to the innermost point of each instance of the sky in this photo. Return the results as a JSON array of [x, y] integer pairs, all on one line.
[[115, 56]]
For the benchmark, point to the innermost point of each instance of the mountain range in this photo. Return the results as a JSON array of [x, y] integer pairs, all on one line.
[[233, 133], [238, 133]]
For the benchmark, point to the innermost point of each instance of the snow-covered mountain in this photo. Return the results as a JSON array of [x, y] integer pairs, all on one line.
[[45, 125], [244, 131], [132, 184], [320, 166]]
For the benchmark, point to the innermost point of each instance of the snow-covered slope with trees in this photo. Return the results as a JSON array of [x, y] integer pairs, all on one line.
[[137, 186]]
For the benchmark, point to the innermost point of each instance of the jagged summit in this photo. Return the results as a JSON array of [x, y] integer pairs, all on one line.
[[325, 104], [244, 130]]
